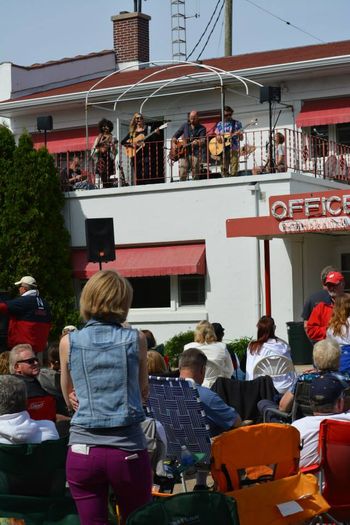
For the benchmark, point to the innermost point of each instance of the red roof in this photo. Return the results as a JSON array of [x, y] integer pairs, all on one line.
[[66, 59], [232, 63], [147, 261]]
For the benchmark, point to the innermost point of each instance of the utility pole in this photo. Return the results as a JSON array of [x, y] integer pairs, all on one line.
[[228, 28]]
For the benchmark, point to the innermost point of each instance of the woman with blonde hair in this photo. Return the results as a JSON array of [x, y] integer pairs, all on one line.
[[219, 363], [134, 144], [106, 365], [339, 329], [155, 363]]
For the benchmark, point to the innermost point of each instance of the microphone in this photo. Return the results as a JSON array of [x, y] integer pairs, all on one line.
[[290, 106]]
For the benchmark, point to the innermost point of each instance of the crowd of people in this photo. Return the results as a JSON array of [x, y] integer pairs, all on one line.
[[94, 386], [192, 146]]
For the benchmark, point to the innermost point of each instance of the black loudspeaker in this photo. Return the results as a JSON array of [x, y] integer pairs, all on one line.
[[100, 240], [44, 123], [270, 94]]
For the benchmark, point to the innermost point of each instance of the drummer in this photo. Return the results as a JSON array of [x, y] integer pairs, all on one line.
[[231, 129]]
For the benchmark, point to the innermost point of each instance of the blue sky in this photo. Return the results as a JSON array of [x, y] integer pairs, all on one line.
[[40, 30]]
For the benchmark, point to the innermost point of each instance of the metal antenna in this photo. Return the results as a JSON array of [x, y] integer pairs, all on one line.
[[178, 29]]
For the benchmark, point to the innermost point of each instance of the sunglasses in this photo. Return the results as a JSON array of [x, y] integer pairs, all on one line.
[[29, 361]]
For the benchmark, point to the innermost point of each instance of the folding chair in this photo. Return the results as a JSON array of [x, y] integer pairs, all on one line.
[[245, 395], [176, 404], [258, 467], [301, 405], [195, 508], [278, 367], [247, 455], [334, 479], [33, 483]]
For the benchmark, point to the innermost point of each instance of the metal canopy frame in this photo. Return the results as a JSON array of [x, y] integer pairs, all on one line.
[[207, 73]]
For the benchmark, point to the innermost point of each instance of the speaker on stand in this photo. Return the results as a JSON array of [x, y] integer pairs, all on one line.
[[44, 124], [100, 240], [270, 94]]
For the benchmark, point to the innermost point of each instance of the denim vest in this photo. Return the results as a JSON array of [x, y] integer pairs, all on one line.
[[104, 366]]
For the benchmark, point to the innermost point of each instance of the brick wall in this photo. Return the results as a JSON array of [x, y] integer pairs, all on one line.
[[131, 37]]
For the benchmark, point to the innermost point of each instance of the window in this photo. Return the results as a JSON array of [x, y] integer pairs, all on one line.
[[151, 292], [168, 292], [343, 133], [191, 290]]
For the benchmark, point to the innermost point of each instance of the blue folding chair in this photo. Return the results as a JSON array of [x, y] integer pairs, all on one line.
[[176, 404]]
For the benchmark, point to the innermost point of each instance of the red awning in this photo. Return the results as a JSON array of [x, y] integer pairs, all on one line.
[[64, 140], [324, 111], [149, 261]]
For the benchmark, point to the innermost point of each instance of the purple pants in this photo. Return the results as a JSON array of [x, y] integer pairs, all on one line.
[[90, 475]]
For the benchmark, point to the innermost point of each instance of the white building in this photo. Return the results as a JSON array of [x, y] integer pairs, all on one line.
[[205, 275]]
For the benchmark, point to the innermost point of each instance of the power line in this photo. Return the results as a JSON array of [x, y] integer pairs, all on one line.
[[211, 32], [285, 21], [205, 30]]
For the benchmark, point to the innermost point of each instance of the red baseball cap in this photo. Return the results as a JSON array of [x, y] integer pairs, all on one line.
[[334, 278]]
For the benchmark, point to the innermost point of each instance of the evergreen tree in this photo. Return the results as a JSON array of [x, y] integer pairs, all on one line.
[[33, 237]]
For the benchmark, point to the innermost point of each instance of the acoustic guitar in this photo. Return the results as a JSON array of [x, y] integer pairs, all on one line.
[[216, 148], [179, 149], [135, 144]]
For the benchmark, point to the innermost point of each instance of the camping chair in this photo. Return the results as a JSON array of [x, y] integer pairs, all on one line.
[[258, 467], [279, 367], [334, 449], [202, 508], [33, 482], [175, 403], [34, 470], [245, 395], [301, 406], [263, 452]]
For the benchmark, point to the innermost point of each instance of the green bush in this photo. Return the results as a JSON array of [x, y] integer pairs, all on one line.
[[174, 346], [238, 346]]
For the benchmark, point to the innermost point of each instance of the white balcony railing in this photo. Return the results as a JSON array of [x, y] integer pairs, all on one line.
[[153, 163]]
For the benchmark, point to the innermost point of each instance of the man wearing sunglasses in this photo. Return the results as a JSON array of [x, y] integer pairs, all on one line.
[[29, 316], [25, 365]]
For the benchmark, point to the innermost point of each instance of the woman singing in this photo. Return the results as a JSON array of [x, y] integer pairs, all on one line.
[[104, 152]]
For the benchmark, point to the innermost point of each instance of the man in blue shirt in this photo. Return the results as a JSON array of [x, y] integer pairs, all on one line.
[[220, 416], [229, 131]]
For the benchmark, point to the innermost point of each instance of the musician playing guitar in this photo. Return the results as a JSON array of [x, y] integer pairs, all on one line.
[[135, 143], [193, 145], [230, 133]]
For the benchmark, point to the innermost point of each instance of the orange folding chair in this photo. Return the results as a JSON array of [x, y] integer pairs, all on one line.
[[258, 466], [247, 455]]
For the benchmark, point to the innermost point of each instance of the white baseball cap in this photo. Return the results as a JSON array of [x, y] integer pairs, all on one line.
[[27, 279]]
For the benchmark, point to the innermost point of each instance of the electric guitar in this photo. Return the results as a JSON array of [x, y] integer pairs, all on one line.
[[135, 144], [216, 147]]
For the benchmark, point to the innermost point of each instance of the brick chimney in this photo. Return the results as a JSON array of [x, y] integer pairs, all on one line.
[[131, 38]]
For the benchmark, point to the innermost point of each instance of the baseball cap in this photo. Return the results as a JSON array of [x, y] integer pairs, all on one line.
[[27, 279], [326, 389], [334, 278]]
